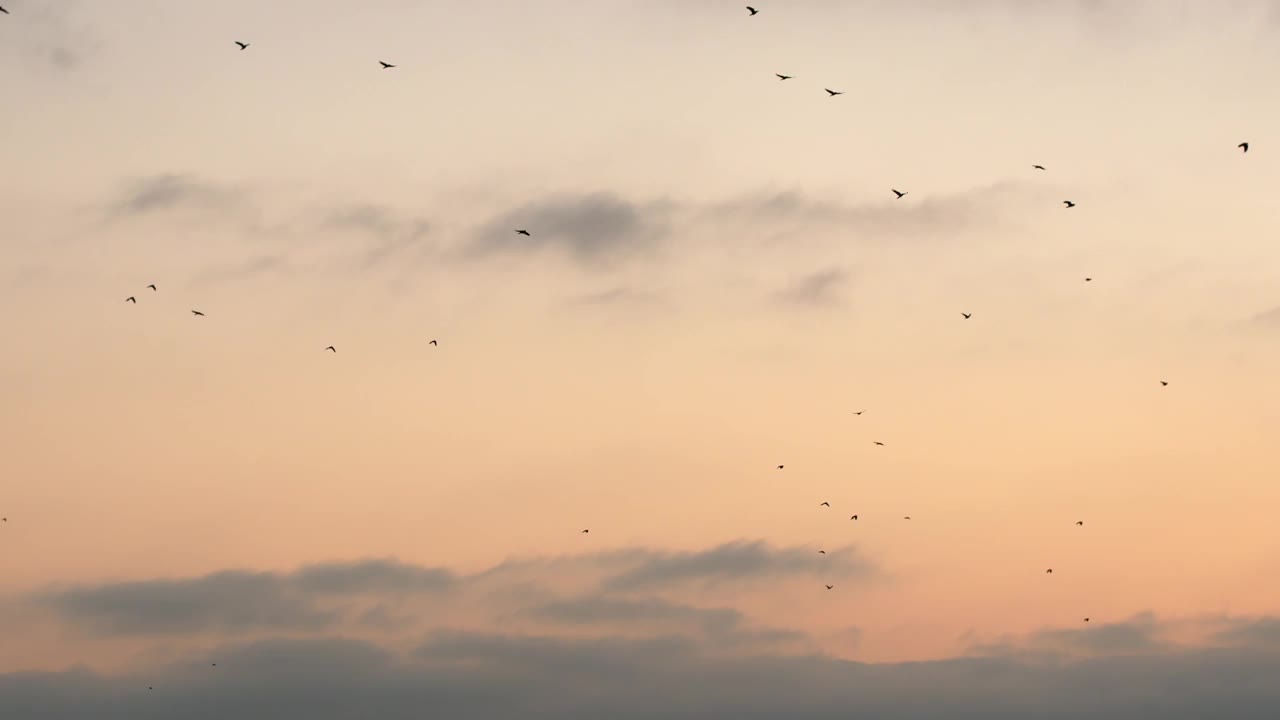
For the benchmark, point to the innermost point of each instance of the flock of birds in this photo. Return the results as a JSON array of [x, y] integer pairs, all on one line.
[[898, 194]]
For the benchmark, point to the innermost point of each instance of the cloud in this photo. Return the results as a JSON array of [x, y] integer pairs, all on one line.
[[172, 191], [613, 297], [52, 35], [392, 233], [593, 229], [240, 270], [1140, 634], [735, 561], [817, 289]]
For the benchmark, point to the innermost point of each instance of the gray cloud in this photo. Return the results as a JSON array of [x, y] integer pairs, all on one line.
[[593, 228], [172, 191], [613, 297], [253, 267], [735, 561], [392, 234], [52, 34], [1263, 632], [817, 289], [485, 676], [1140, 634]]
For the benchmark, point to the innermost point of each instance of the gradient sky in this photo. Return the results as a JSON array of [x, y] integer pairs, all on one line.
[[718, 276]]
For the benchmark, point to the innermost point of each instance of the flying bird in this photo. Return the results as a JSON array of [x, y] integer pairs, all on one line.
[[1088, 279], [780, 467], [131, 299], [830, 586], [433, 342], [899, 194], [859, 412], [1244, 147], [2, 10], [967, 315], [825, 503], [752, 10], [1068, 203], [833, 93], [243, 46], [153, 288], [524, 233], [584, 532], [385, 65], [1049, 571], [1164, 383], [822, 552], [853, 517], [197, 313], [906, 517], [1086, 619], [1037, 167], [879, 443], [784, 77], [331, 349], [1080, 522]]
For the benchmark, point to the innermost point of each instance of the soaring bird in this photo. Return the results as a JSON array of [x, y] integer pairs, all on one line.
[[197, 313], [4, 519], [2, 10], [784, 77], [1086, 619], [1244, 146], [385, 65], [1037, 167], [331, 349], [1068, 203], [433, 342], [153, 288], [853, 517], [131, 299], [825, 503], [899, 194], [752, 10], [1164, 383], [1049, 571], [859, 412], [822, 552], [584, 532], [1079, 522], [243, 46], [1088, 279], [906, 517], [780, 467], [524, 233], [830, 586], [833, 93], [967, 315], [879, 443]]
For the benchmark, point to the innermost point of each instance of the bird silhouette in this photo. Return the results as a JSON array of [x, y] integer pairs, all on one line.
[[153, 288], [822, 552], [1037, 167], [584, 532], [967, 315], [524, 233], [243, 46], [830, 586], [1164, 383], [1086, 619], [780, 467], [853, 517], [784, 77], [1049, 571], [879, 443], [752, 10], [833, 93], [825, 503], [197, 313], [1244, 147], [1088, 279], [385, 65], [331, 349], [906, 517], [2, 10], [131, 299], [899, 194], [1080, 522], [1068, 203], [859, 412], [433, 342]]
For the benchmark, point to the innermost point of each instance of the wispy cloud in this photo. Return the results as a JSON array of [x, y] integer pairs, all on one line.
[[822, 288]]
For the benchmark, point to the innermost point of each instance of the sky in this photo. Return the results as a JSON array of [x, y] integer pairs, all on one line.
[[717, 278]]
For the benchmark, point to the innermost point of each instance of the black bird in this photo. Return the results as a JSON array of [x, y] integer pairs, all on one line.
[[1068, 203], [1244, 146], [385, 65], [830, 586], [879, 443], [1086, 619], [584, 532], [243, 46], [433, 342], [1079, 522], [524, 233], [780, 467], [853, 517], [213, 664], [1037, 167], [197, 313], [822, 552], [148, 687], [1164, 383], [859, 412], [833, 93], [1088, 279], [752, 10], [2, 10], [4, 519], [1049, 571], [131, 299], [899, 194], [331, 349], [967, 315], [906, 517], [153, 288], [825, 503], [784, 77]]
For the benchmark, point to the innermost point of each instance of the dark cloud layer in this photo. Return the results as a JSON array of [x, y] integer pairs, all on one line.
[[592, 228], [817, 289], [735, 561]]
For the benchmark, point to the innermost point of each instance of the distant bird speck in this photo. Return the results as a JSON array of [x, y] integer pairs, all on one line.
[[523, 232], [2, 10], [822, 552], [433, 342], [830, 587], [584, 532], [1086, 619], [243, 46], [967, 315], [859, 412], [332, 349], [1164, 383], [879, 443], [385, 65], [853, 517], [153, 288], [1068, 203], [826, 503], [1049, 571], [899, 194], [131, 299], [784, 77], [833, 93], [1244, 147], [752, 10], [197, 313], [780, 467], [1088, 279], [1038, 167], [1079, 522]]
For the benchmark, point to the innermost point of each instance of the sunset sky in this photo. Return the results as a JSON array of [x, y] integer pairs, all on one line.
[[717, 277]]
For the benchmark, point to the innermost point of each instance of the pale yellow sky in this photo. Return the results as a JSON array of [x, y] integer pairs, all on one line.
[[718, 276]]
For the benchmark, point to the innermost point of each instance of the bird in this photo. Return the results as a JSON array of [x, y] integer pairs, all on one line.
[[784, 77], [752, 10], [153, 288], [331, 349], [1068, 203], [150, 688], [131, 299], [524, 233], [1164, 383], [859, 412], [1037, 167], [1086, 619], [2, 10], [197, 313], [824, 502], [433, 342], [822, 552], [1049, 571], [1244, 147], [243, 46], [830, 586], [4, 519], [1079, 522], [879, 443], [213, 664], [385, 65], [906, 517], [899, 194], [780, 467], [1088, 279], [967, 315], [584, 532], [833, 93], [853, 517]]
